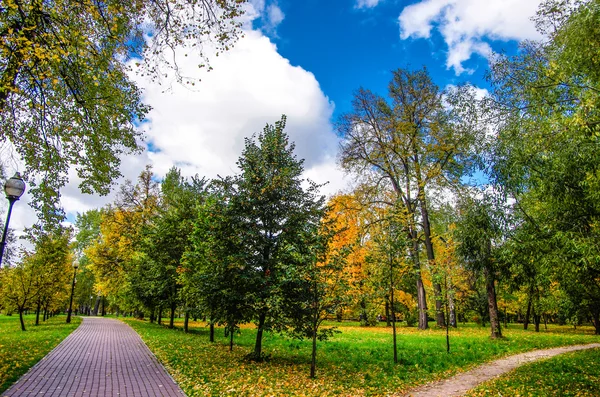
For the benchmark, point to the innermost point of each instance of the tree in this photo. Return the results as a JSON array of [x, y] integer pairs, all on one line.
[[272, 211], [66, 99], [165, 240], [114, 254], [42, 278], [407, 145], [88, 226], [479, 231], [547, 103]]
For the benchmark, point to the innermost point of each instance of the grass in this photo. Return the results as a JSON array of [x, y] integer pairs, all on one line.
[[569, 374], [357, 362], [20, 350]]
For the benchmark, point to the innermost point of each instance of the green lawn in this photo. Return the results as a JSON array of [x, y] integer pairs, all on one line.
[[20, 350], [569, 374], [356, 362]]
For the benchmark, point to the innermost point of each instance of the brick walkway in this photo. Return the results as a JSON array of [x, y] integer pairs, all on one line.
[[102, 357]]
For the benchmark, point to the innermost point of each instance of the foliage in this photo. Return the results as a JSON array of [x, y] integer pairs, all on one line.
[[42, 278], [545, 156], [479, 233], [274, 217], [66, 98], [416, 141]]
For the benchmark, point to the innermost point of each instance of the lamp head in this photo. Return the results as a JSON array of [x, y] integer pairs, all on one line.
[[14, 187]]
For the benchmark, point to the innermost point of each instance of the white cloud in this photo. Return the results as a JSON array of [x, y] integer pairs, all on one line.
[[268, 14], [274, 16], [466, 25], [367, 3], [201, 129]]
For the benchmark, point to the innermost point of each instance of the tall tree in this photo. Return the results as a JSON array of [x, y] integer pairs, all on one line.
[[479, 232], [272, 212], [548, 106], [66, 98], [407, 145], [166, 238]]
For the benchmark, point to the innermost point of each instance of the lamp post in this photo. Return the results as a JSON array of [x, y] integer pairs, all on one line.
[[72, 292], [14, 189]]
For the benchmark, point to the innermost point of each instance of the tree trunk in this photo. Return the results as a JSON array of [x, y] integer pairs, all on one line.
[[393, 312], [387, 313], [159, 316], [186, 321], [37, 313], [437, 288], [21, 319], [231, 330], [596, 321], [259, 335], [492, 304], [211, 332], [313, 358], [421, 302], [152, 315], [528, 312], [394, 330], [452, 308], [421, 296], [172, 317]]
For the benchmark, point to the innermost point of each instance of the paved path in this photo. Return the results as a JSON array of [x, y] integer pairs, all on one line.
[[102, 357], [461, 383]]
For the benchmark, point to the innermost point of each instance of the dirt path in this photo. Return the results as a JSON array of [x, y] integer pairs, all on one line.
[[461, 383]]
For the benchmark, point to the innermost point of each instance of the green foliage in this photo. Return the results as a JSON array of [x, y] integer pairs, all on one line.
[[276, 220], [66, 98], [545, 156], [42, 278]]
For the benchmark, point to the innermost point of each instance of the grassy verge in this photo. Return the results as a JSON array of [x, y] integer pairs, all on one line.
[[357, 362], [569, 374], [20, 350]]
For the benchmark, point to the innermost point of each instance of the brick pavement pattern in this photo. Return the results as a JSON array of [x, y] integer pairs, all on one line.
[[102, 357]]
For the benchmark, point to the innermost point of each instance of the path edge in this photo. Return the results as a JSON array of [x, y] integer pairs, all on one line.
[[416, 391]]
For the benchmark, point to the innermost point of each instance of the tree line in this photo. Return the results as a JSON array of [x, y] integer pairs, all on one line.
[[466, 208]]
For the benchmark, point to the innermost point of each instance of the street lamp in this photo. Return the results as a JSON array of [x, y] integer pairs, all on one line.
[[14, 189], [72, 292]]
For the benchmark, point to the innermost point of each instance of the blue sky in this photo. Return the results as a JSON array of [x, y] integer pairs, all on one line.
[[304, 59], [346, 46]]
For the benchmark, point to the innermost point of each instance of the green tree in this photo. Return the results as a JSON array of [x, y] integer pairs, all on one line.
[[272, 211], [87, 225], [43, 277], [214, 276], [545, 156], [166, 238], [479, 233], [66, 99]]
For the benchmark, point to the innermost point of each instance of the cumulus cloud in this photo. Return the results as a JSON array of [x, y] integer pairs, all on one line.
[[367, 3], [468, 25]]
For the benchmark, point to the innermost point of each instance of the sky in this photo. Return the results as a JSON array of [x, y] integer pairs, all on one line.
[[305, 59]]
